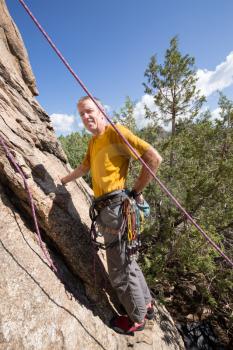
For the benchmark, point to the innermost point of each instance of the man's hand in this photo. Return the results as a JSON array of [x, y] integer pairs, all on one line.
[[139, 199], [62, 180], [76, 173], [137, 196]]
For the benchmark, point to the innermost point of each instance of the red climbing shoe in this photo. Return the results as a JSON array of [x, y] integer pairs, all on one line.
[[123, 325]]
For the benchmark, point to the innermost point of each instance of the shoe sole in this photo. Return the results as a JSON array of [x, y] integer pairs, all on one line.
[[130, 332]]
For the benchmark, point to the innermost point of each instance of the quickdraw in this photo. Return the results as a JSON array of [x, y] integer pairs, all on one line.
[[134, 226]]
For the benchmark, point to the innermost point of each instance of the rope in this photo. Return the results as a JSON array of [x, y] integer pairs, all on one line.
[[38, 235], [20, 171], [162, 186]]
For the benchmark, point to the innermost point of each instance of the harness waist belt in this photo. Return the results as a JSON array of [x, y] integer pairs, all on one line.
[[114, 197]]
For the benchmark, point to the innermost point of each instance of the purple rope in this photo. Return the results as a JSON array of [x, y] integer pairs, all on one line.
[[163, 187], [20, 171]]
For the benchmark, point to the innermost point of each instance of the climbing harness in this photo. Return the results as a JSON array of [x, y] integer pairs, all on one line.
[[115, 198], [132, 217], [162, 186]]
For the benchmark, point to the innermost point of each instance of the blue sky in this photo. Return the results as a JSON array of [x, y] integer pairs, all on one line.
[[109, 44]]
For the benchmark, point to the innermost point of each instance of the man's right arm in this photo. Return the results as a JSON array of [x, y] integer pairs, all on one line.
[[78, 172]]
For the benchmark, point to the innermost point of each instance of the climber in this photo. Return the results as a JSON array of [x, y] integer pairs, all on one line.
[[108, 158]]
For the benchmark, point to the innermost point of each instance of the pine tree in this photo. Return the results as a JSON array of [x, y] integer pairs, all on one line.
[[126, 115], [173, 86]]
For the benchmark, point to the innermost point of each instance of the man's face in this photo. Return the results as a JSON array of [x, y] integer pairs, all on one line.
[[91, 116]]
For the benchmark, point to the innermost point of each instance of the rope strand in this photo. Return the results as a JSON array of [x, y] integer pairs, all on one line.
[[20, 171]]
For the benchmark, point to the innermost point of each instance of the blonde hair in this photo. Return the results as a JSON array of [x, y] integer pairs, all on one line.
[[84, 98], [102, 114]]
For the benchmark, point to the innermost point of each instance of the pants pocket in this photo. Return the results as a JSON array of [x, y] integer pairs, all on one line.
[[111, 216]]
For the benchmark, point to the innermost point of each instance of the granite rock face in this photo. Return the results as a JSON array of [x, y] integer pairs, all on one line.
[[41, 309]]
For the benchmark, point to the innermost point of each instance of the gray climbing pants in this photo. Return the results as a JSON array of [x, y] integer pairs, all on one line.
[[125, 275]]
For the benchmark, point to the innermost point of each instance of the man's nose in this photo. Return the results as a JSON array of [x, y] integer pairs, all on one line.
[[85, 115]]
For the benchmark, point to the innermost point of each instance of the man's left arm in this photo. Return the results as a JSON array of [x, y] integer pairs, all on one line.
[[153, 159]]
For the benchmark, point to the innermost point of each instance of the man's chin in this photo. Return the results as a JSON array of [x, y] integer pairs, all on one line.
[[91, 129]]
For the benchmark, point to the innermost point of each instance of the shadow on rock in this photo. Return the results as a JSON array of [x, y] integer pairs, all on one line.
[[69, 238]]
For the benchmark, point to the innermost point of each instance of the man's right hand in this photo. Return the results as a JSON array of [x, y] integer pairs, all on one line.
[[62, 179]]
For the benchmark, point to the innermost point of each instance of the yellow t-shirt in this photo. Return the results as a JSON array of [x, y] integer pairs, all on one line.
[[108, 158]]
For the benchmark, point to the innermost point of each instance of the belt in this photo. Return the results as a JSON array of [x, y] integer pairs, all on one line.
[[115, 197]]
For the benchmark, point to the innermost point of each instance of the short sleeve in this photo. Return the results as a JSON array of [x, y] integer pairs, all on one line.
[[136, 142]]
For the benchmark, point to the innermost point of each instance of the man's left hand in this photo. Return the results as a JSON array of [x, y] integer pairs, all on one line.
[[139, 199]]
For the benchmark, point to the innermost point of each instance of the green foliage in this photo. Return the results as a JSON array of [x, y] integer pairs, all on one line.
[[125, 115], [197, 169], [75, 146], [200, 178], [173, 86], [202, 181]]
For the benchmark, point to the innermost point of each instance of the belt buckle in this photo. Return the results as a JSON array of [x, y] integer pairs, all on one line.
[[101, 205], [108, 202], [104, 203]]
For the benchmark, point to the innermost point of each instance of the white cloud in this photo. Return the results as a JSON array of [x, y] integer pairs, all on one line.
[[63, 123], [218, 79], [139, 110], [215, 114], [140, 115]]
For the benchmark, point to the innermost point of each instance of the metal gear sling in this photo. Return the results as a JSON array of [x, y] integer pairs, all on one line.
[[134, 226]]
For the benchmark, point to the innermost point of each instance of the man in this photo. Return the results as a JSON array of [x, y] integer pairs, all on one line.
[[108, 158]]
